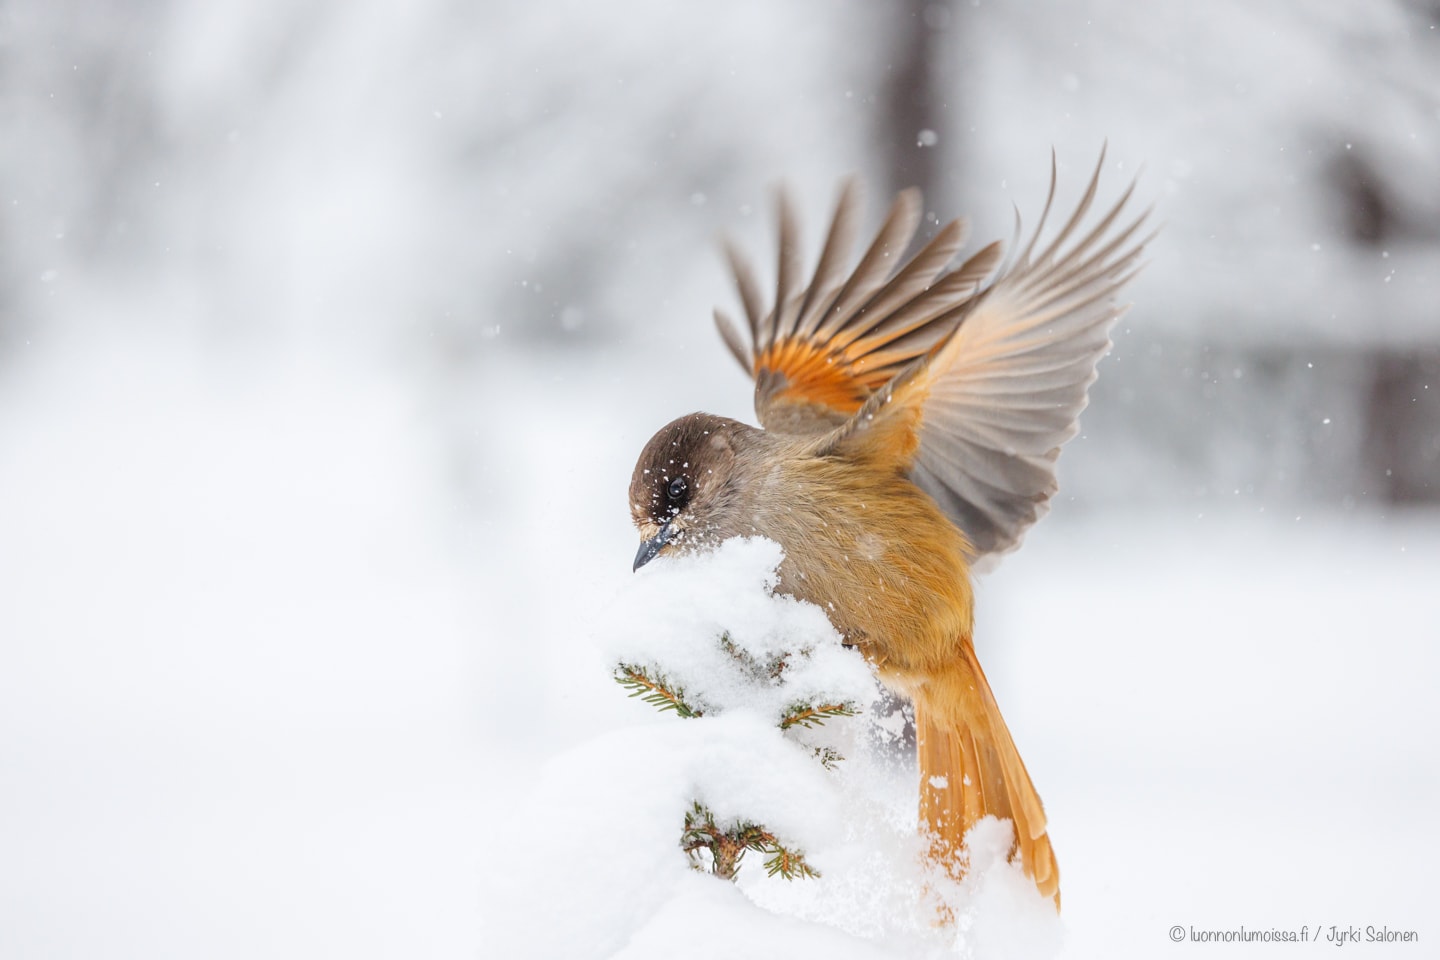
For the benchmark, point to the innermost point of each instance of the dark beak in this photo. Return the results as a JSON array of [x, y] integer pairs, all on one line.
[[650, 547]]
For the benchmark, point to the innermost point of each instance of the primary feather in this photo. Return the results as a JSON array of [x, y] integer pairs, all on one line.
[[1000, 370]]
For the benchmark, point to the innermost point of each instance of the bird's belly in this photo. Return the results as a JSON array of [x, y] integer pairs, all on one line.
[[904, 601]]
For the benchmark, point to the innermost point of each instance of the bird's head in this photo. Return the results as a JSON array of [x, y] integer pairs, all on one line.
[[686, 489]]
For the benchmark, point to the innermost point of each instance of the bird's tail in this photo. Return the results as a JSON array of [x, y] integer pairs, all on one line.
[[969, 768]]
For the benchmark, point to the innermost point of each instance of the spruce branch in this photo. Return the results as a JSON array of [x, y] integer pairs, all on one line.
[[654, 689], [770, 671], [789, 864], [728, 847], [809, 715]]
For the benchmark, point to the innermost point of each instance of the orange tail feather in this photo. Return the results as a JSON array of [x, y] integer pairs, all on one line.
[[969, 768]]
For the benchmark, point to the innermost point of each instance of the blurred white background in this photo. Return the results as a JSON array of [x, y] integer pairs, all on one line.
[[329, 332]]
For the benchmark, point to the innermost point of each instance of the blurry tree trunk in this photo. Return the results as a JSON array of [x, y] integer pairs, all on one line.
[[1402, 428], [1401, 447], [916, 117]]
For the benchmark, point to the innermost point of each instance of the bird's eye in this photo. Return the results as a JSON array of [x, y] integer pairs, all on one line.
[[677, 490]]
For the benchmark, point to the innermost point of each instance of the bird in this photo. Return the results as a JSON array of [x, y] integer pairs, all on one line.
[[912, 410]]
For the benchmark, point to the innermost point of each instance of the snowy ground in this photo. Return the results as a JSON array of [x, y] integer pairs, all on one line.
[[329, 333], [281, 674]]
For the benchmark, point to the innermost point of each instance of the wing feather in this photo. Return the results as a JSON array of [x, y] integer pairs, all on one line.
[[733, 340], [1006, 391], [912, 281], [748, 287], [830, 271], [820, 351], [781, 322], [987, 377], [876, 265]]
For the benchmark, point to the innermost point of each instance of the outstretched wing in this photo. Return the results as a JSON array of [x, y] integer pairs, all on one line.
[[824, 348], [1005, 392], [1003, 388]]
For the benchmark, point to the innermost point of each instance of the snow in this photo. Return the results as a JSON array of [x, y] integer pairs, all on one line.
[[268, 685], [621, 797], [677, 610], [329, 333], [235, 670]]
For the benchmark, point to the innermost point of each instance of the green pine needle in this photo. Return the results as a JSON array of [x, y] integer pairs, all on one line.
[[654, 690], [770, 672], [789, 864], [813, 715], [728, 847]]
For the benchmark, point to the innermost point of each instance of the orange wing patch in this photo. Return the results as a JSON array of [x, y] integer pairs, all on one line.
[[812, 374], [825, 347]]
